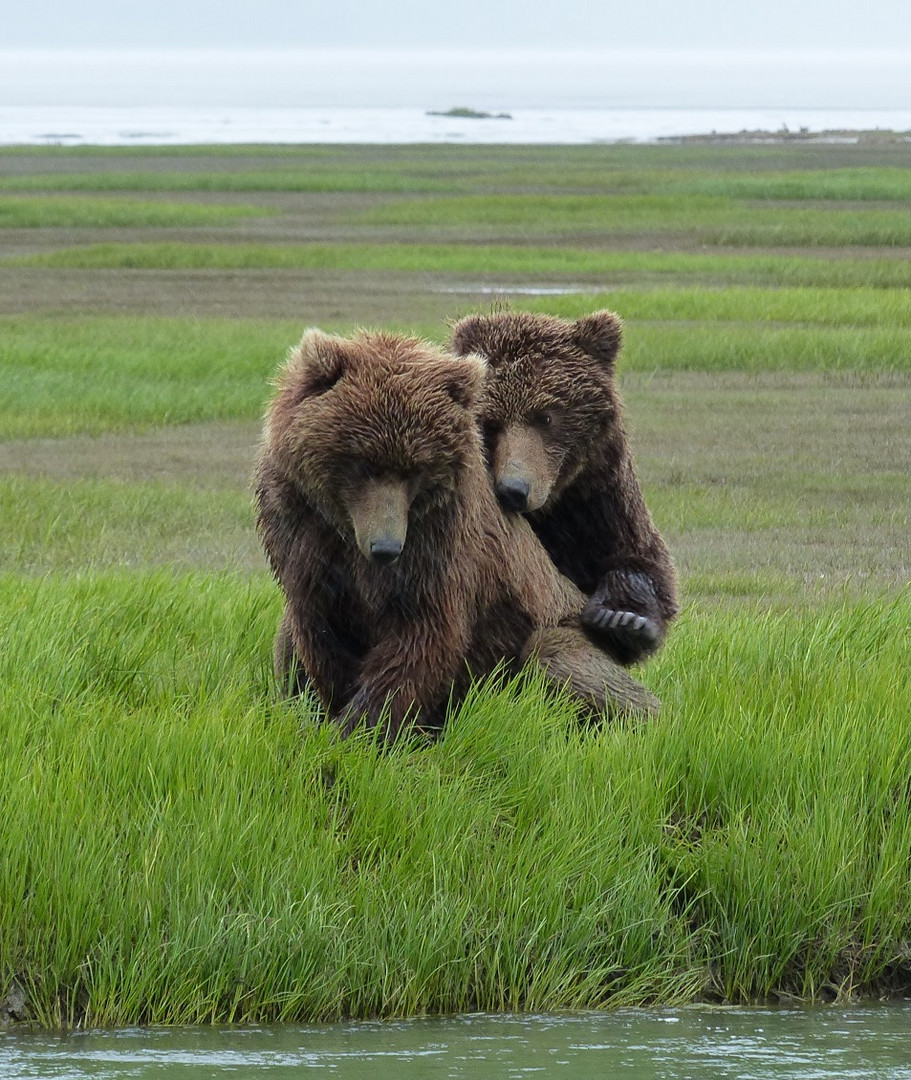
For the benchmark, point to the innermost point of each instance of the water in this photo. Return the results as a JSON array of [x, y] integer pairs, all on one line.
[[360, 96], [147, 126], [862, 1043]]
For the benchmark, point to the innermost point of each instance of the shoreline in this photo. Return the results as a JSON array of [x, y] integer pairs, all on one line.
[[17, 1014], [762, 137]]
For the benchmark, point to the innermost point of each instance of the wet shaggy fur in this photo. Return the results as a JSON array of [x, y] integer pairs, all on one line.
[[402, 578], [557, 451]]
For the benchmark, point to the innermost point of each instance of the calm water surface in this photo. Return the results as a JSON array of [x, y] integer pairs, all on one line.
[[149, 97], [864, 1042]]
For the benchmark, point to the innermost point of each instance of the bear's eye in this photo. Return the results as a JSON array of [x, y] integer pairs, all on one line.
[[492, 428], [542, 419]]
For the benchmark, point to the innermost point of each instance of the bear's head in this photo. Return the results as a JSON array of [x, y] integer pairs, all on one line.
[[549, 397], [374, 431]]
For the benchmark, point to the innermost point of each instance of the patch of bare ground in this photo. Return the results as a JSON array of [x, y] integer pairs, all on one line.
[[213, 456], [802, 479], [359, 297], [803, 476]]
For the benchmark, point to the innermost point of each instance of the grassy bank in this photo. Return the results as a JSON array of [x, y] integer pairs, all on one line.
[[181, 847], [234, 861]]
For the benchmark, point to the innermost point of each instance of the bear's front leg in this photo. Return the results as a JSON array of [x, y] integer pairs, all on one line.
[[570, 660], [286, 664], [625, 612], [406, 680]]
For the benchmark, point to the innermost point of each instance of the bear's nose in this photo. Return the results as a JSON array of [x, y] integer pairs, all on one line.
[[385, 550], [513, 493]]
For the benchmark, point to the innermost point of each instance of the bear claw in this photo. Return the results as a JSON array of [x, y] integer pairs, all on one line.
[[624, 618], [632, 635]]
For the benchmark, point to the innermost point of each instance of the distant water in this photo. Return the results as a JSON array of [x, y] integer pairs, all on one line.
[[145, 126], [141, 98]]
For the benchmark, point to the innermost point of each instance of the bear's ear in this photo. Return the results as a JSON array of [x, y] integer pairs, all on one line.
[[320, 361], [600, 335], [468, 336], [464, 377]]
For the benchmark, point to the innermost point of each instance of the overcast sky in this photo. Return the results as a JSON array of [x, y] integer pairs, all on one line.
[[499, 54], [469, 24]]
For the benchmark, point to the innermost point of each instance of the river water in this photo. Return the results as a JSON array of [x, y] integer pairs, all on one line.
[[861, 1043]]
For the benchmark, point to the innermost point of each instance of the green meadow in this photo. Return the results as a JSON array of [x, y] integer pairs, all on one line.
[[707, 219], [610, 265], [180, 846]]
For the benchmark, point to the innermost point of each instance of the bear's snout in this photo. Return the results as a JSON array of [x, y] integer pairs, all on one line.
[[512, 491], [385, 550], [379, 513], [523, 473]]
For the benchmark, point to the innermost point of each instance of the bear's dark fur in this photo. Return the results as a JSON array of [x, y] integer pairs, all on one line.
[[557, 451], [402, 577]]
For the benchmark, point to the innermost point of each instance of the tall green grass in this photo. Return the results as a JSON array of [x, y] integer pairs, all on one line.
[[87, 523], [283, 179], [782, 172], [709, 219], [86, 376], [178, 847], [34, 212], [821, 307], [742, 347], [486, 260], [100, 374], [860, 183]]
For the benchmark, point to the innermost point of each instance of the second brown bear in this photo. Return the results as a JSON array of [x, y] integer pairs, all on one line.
[[558, 453]]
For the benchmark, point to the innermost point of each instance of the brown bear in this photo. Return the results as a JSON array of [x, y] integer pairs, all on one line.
[[558, 453], [402, 577]]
